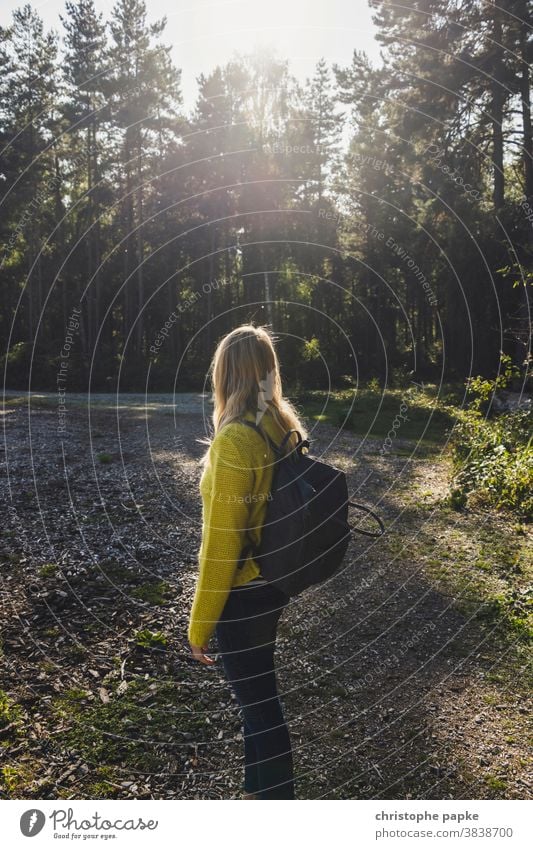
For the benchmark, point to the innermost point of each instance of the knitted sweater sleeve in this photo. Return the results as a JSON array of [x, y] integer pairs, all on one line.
[[225, 520]]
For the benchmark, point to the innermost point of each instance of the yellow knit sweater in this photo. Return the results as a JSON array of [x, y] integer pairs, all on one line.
[[235, 488]]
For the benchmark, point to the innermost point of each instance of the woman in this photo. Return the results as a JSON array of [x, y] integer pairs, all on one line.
[[232, 599]]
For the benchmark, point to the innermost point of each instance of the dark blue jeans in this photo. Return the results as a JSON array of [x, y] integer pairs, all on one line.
[[246, 635]]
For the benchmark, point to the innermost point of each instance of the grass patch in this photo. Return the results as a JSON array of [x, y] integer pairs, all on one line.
[[17, 779], [487, 570], [497, 784], [37, 402], [426, 416], [47, 570], [9, 711], [101, 787], [156, 593], [77, 653], [129, 731], [116, 572], [101, 790], [8, 557], [513, 608], [104, 457], [508, 564]]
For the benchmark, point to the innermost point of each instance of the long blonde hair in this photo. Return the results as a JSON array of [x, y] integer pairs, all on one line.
[[245, 376]]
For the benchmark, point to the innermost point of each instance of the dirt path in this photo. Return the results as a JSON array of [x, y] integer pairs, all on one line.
[[404, 677]]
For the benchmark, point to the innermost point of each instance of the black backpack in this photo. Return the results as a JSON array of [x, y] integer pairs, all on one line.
[[306, 532]]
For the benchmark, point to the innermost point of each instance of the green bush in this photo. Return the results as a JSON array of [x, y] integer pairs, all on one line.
[[311, 369], [493, 458], [493, 461]]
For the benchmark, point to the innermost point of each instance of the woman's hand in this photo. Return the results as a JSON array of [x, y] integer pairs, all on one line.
[[198, 652]]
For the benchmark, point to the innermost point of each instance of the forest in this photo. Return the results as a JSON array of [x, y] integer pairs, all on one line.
[[378, 218]]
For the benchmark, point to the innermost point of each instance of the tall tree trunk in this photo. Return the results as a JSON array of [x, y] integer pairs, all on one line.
[[96, 230], [140, 256], [527, 150], [32, 253], [128, 250], [91, 323], [268, 298], [211, 274], [498, 100]]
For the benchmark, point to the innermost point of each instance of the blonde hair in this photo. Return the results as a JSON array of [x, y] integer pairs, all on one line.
[[245, 376]]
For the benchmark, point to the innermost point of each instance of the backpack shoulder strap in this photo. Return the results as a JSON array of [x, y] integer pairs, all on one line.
[[277, 449]]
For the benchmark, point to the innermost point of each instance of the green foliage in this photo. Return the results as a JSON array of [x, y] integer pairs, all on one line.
[[9, 712], [458, 498], [484, 388], [311, 368], [366, 206], [104, 458], [495, 783], [147, 639], [17, 778], [514, 607], [311, 350], [155, 593], [48, 569], [493, 458]]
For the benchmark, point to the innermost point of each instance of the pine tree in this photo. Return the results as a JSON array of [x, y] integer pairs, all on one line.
[[144, 95], [324, 126], [29, 89], [84, 109]]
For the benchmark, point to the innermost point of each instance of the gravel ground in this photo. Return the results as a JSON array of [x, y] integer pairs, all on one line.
[[395, 683]]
